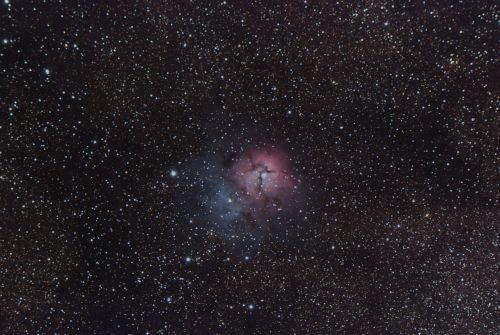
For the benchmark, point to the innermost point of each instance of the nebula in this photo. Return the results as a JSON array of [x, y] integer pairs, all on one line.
[[264, 181], [252, 195]]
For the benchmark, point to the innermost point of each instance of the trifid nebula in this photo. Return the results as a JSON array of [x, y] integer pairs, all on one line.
[[250, 167]]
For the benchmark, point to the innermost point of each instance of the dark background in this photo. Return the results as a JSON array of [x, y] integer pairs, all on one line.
[[391, 109]]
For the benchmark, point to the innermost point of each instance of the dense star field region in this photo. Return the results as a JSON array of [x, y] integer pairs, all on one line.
[[250, 167]]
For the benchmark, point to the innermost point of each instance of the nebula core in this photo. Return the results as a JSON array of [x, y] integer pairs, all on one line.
[[264, 181], [254, 194]]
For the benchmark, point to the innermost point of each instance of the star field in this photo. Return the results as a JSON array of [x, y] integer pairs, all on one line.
[[250, 167]]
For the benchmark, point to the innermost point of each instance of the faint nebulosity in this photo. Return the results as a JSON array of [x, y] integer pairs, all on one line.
[[249, 197], [250, 167]]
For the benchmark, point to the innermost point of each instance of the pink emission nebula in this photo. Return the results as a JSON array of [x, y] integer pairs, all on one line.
[[264, 180]]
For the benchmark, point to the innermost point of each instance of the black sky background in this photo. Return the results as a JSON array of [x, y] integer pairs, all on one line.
[[391, 111]]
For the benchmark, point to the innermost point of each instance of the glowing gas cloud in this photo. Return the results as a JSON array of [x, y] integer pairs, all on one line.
[[251, 196], [264, 181]]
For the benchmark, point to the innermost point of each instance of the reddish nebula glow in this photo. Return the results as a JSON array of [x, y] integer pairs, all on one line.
[[264, 181]]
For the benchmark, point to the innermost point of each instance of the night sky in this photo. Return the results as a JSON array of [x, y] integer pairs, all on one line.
[[250, 167]]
